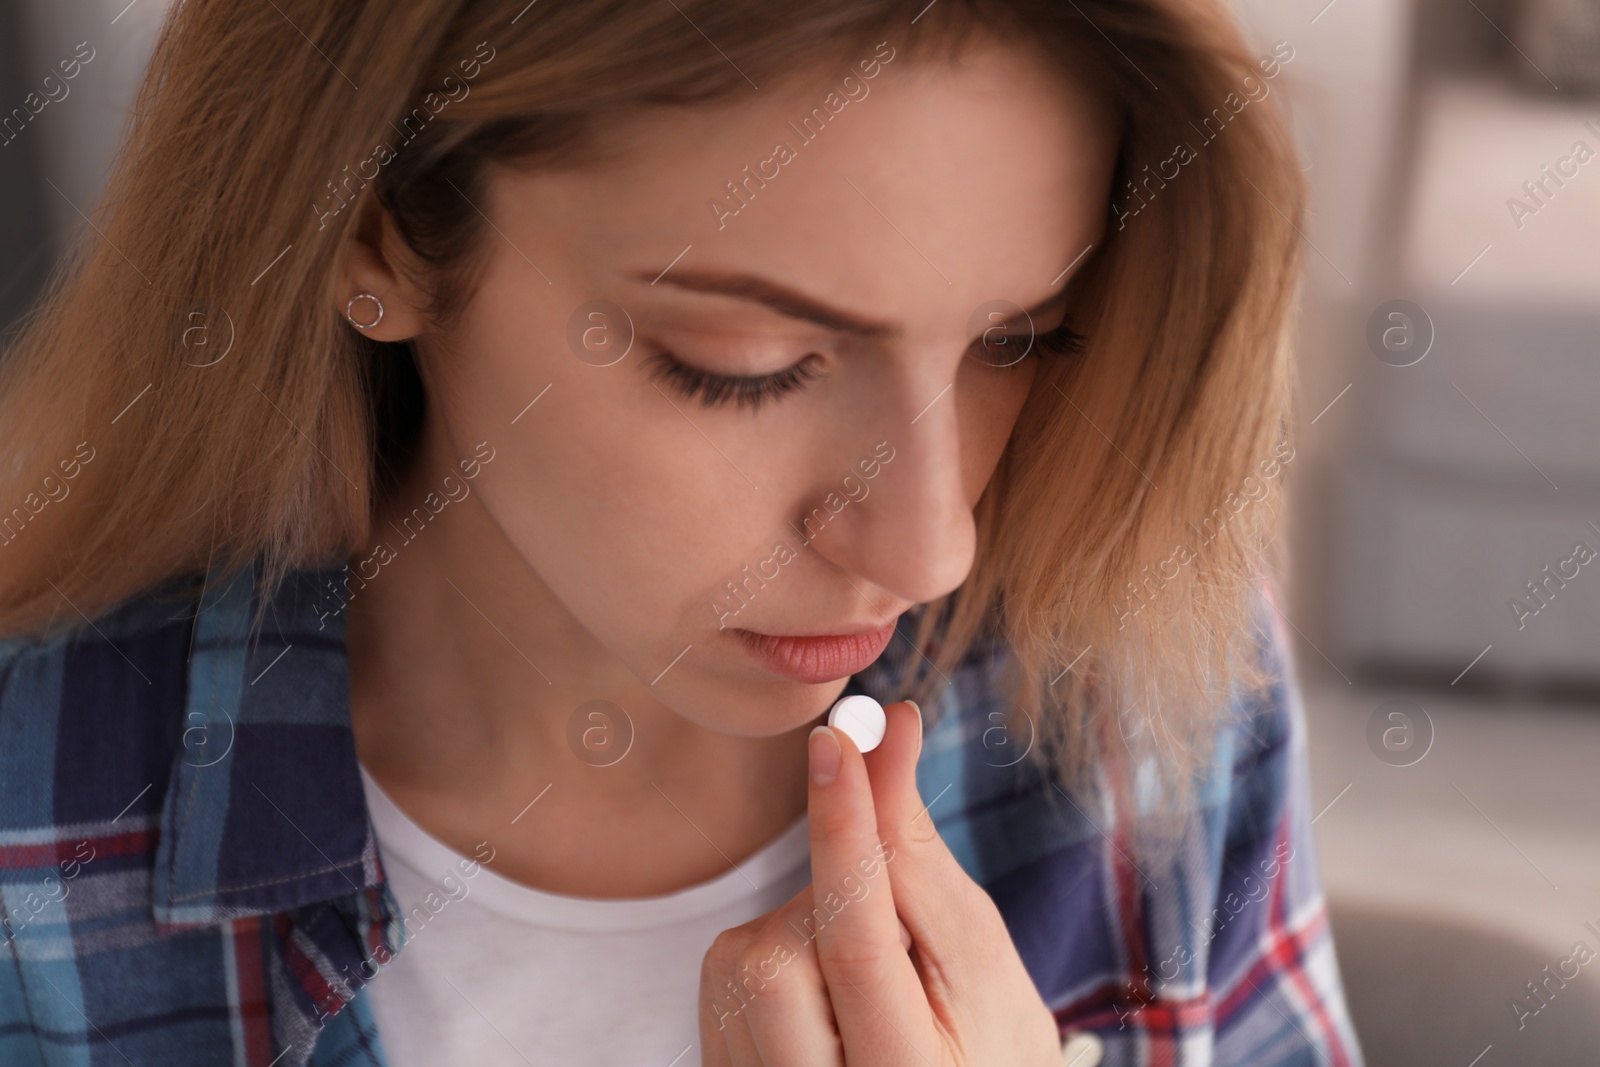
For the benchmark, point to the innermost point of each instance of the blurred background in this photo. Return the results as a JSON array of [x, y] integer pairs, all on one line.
[[1448, 501], [1445, 513]]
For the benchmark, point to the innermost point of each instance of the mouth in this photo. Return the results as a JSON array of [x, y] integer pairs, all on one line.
[[815, 659]]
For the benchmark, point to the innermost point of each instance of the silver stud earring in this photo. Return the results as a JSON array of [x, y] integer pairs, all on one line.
[[350, 308]]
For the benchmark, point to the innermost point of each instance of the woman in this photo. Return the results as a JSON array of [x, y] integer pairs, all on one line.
[[476, 446]]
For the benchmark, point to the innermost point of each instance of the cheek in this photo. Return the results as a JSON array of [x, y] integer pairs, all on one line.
[[989, 400], [612, 496]]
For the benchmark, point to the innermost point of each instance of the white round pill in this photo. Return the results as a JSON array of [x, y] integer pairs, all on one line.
[[862, 718]]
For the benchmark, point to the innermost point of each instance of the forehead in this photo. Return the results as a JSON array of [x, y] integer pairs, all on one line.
[[918, 193]]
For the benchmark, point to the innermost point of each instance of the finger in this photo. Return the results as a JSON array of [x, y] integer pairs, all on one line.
[[769, 999], [969, 967], [791, 1019], [741, 1043], [725, 993], [949, 916], [882, 1014]]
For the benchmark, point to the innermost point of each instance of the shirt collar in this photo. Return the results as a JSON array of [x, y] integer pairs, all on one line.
[[264, 810]]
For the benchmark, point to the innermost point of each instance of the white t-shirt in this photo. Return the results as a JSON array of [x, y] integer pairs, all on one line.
[[496, 972]]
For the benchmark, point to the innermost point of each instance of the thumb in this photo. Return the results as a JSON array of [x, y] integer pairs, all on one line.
[[892, 766], [942, 908]]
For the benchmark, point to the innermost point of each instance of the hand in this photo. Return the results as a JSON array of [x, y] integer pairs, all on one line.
[[892, 957]]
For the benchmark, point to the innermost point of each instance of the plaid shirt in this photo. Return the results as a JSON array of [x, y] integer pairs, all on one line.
[[188, 874]]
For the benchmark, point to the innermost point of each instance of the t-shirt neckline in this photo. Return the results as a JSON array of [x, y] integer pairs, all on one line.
[[402, 840]]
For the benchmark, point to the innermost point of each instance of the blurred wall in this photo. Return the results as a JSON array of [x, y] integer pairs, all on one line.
[[25, 235], [1437, 484], [53, 163]]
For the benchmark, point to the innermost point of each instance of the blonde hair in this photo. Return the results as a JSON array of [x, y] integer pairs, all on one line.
[[189, 342]]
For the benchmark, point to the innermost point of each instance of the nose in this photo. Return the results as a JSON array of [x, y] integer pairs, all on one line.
[[912, 533]]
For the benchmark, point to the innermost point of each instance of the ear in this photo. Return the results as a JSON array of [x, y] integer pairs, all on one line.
[[373, 260]]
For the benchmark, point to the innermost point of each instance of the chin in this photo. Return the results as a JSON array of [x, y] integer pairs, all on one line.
[[764, 709]]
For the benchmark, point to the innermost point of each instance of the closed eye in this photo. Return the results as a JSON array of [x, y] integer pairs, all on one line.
[[1061, 341], [718, 390], [1008, 350]]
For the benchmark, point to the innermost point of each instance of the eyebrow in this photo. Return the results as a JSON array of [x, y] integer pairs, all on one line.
[[795, 305]]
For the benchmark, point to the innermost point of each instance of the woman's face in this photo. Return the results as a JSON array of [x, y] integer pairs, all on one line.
[[861, 268]]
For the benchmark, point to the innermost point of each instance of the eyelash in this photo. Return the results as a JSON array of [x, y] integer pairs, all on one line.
[[1061, 341], [716, 390]]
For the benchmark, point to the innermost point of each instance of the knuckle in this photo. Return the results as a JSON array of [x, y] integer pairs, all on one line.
[[758, 959], [726, 950], [920, 831], [854, 959]]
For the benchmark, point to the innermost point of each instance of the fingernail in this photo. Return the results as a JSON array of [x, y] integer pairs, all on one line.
[[918, 708], [825, 755]]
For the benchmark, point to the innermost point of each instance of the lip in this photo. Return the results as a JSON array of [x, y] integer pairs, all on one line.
[[816, 658]]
